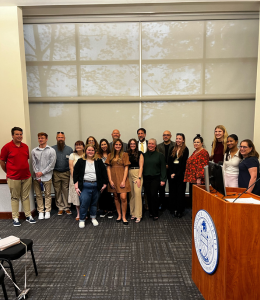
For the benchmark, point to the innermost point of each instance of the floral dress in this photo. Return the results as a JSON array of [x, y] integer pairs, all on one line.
[[195, 166]]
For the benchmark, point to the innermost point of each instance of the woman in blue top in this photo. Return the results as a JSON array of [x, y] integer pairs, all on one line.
[[249, 167]]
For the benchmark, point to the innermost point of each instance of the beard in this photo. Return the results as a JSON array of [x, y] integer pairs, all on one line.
[[60, 145]]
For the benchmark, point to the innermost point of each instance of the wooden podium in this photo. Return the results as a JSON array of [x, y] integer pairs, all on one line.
[[237, 275]]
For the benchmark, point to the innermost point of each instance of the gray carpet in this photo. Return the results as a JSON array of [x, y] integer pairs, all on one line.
[[149, 260]]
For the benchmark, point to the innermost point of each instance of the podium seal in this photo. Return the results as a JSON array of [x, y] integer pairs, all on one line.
[[206, 241]]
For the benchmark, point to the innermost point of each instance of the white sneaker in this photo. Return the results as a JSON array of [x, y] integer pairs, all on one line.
[[47, 215], [81, 224], [41, 216], [94, 222]]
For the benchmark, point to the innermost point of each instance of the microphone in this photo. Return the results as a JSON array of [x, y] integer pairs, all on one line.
[[247, 189]]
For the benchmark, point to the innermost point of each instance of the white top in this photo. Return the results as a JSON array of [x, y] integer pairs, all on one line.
[[90, 172], [75, 157], [231, 166], [145, 146]]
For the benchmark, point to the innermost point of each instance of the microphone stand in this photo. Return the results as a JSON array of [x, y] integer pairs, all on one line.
[[246, 189]]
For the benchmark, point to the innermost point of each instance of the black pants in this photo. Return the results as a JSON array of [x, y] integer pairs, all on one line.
[[106, 201], [177, 190], [164, 201], [151, 186]]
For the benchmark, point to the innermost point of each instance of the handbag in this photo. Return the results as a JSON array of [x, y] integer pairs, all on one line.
[[9, 242]]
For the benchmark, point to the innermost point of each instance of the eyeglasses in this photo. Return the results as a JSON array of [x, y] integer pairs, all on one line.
[[60, 132], [243, 147], [166, 134]]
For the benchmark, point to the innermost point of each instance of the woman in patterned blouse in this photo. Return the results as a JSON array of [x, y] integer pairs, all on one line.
[[194, 173]]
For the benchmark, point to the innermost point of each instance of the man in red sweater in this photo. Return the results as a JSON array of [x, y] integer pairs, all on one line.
[[14, 162]]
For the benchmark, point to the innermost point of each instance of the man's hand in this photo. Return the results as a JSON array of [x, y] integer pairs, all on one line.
[[162, 183], [38, 174]]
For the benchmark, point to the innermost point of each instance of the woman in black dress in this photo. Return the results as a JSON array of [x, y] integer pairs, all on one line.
[[177, 165], [249, 167]]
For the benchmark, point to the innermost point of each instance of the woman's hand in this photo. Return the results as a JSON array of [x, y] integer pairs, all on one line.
[[172, 176], [112, 184], [138, 182], [78, 191], [162, 183], [103, 187], [199, 181], [122, 184]]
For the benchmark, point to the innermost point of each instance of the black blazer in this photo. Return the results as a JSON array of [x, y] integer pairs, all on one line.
[[178, 169], [79, 171]]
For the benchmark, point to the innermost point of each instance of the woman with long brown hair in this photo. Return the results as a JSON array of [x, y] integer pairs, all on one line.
[[177, 165], [106, 204], [117, 170], [249, 167], [91, 140], [136, 179], [219, 144]]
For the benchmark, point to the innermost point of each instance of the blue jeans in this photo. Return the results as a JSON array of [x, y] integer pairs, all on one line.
[[88, 199]]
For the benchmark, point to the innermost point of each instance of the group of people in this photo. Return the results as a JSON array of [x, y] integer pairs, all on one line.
[[88, 175]]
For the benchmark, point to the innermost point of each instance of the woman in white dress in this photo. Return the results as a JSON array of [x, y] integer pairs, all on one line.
[[78, 153]]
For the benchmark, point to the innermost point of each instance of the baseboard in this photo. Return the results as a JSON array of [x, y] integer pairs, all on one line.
[[8, 215]]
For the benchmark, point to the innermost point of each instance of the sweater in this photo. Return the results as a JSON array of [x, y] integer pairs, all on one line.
[[154, 165]]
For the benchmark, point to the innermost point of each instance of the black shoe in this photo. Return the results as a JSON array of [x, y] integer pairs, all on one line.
[[125, 223], [179, 215], [155, 218], [118, 221], [150, 216], [110, 215], [175, 214]]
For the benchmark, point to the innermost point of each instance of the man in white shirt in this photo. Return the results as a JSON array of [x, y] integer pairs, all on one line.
[[142, 143], [43, 162], [142, 146]]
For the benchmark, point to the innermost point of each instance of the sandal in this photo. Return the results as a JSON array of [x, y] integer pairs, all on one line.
[[137, 220], [132, 218], [77, 218]]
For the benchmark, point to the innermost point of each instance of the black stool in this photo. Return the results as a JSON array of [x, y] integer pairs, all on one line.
[[15, 252], [2, 277]]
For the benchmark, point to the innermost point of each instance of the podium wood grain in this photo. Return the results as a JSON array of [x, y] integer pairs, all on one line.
[[238, 227]]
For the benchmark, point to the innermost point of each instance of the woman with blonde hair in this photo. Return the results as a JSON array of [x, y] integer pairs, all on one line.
[[90, 179], [176, 167], [117, 170], [219, 144]]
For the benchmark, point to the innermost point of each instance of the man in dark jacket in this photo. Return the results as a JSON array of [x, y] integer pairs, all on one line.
[[165, 148]]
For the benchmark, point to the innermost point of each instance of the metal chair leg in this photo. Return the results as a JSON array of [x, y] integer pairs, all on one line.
[[4, 291], [12, 273], [34, 263]]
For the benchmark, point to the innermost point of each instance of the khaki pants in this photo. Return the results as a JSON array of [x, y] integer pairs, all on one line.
[[20, 189], [47, 193], [135, 195], [61, 187]]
